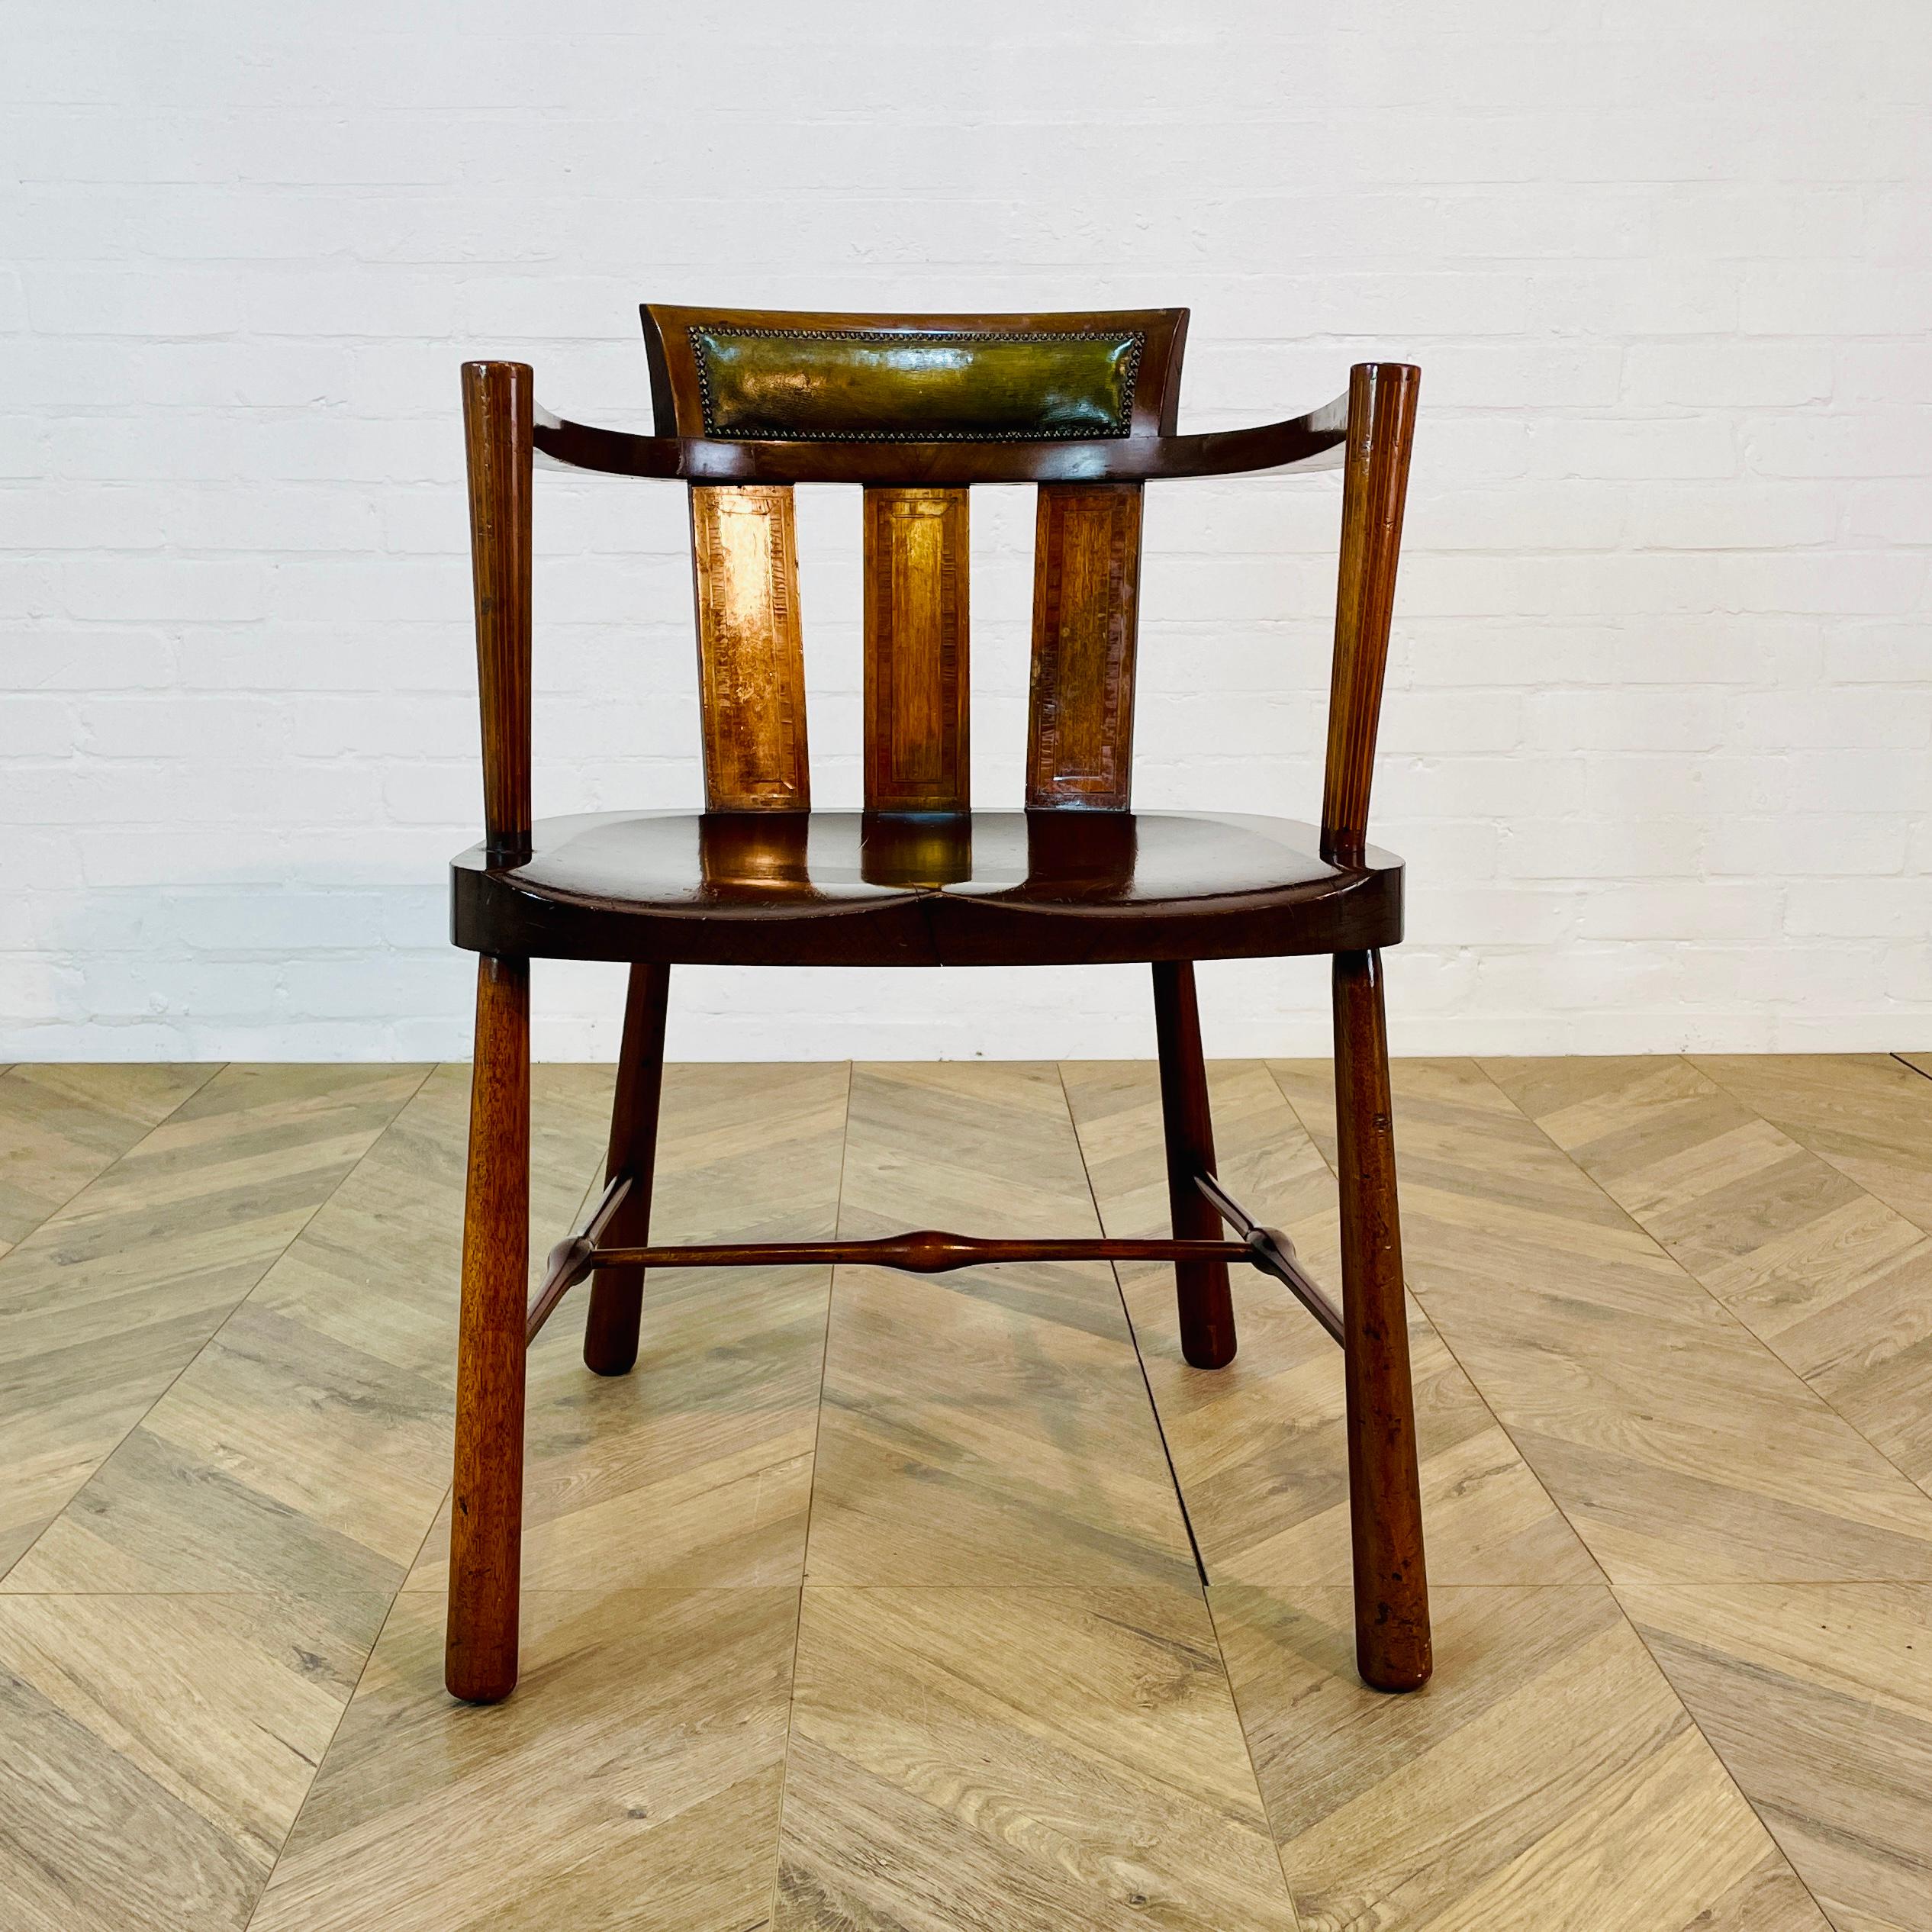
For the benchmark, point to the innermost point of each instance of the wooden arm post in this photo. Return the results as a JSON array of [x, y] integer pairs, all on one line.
[[1381, 424], [497, 432]]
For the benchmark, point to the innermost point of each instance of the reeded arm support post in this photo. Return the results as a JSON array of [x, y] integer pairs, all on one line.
[[496, 432], [1381, 425]]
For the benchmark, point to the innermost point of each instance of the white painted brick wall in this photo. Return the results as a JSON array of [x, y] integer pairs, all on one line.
[[1658, 743]]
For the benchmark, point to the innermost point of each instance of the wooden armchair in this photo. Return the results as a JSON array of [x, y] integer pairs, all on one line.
[[916, 409]]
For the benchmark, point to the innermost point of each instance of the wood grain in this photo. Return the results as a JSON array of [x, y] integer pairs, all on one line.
[[916, 629], [641, 1789], [1391, 1597], [616, 1309], [486, 1516], [990, 1426], [499, 399], [1202, 1291], [1680, 1448], [157, 1749], [305, 1450], [1375, 482], [1869, 1115], [1059, 1761], [1836, 1283], [1818, 1698], [1007, 1692], [61, 1126], [1086, 562], [696, 1469], [1260, 1448], [1546, 1777], [104, 1304], [750, 652]]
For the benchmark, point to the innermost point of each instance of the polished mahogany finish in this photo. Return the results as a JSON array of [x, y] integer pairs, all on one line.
[[1207, 1310], [751, 650], [487, 1502], [1385, 1499], [1087, 574], [575, 1256], [917, 408], [1311, 441], [1381, 421], [497, 402], [983, 889], [916, 631], [1269, 1248], [617, 1296]]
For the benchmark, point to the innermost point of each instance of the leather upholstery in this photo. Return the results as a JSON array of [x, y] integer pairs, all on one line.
[[924, 385]]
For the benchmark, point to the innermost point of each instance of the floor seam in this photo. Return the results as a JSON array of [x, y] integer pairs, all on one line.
[[811, 1497], [1730, 1777], [1690, 1716], [215, 1067], [214, 1334], [1690, 1274], [1462, 1367], [1134, 1340], [408, 1569]]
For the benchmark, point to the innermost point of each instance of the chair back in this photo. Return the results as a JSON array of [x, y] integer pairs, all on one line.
[[914, 409]]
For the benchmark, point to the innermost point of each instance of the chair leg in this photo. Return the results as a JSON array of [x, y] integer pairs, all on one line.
[[486, 1506], [1391, 1601], [1207, 1310], [617, 1294]]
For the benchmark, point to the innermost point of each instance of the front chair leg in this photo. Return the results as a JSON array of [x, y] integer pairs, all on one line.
[[1207, 1309], [487, 1504], [617, 1294], [1391, 1602]]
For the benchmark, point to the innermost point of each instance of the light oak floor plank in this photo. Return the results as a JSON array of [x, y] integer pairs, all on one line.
[[632, 1781], [989, 1426], [1818, 1698], [1836, 1283], [1679, 1446], [155, 1748], [696, 1467], [1031, 1760], [1868, 1114], [1546, 1777], [1260, 1446], [60, 1126], [104, 1304], [1010, 1711], [351, 1333], [1012, 1705]]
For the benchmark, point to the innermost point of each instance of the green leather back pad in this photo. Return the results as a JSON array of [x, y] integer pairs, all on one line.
[[880, 385]]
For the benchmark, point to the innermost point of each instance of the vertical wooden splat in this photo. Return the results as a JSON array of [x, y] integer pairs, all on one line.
[[750, 648], [916, 756], [1087, 557]]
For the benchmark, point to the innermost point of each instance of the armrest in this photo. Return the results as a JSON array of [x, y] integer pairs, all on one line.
[[1312, 441]]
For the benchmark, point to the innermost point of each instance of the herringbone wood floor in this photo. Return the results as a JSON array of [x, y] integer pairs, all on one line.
[[888, 1604]]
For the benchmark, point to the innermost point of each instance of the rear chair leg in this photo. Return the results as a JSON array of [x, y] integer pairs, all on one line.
[[617, 1294], [487, 1505], [1207, 1310], [1391, 1603]]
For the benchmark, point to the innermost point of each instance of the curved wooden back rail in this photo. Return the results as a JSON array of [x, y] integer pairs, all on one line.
[[915, 409]]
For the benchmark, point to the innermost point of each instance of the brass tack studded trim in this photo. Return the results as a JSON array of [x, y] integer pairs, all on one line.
[[1135, 340]]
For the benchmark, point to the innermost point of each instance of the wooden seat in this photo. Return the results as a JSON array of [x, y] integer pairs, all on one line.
[[915, 410], [975, 889]]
